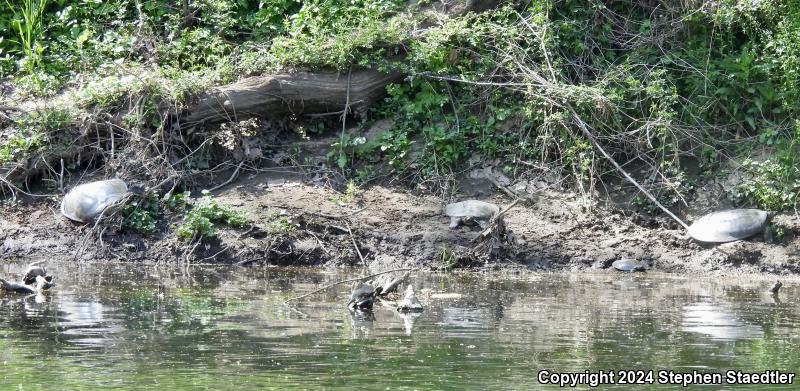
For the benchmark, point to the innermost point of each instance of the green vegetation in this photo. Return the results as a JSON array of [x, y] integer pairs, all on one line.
[[205, 212], [349, 195], [279, 225], [199, 217], [142, 215], [27, 22], [33, 131], [664, 86]]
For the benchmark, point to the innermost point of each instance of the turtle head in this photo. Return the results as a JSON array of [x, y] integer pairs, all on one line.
[[771, 214]]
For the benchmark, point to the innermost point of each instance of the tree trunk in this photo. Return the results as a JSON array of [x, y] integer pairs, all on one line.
[[296, 93]]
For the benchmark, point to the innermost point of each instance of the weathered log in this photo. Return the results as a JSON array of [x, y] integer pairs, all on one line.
[[295, 93]]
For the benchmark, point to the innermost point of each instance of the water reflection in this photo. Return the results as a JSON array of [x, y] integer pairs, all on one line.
[[718, 323], [176, 328]]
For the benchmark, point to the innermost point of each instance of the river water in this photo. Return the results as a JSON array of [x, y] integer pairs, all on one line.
[[128, 326]]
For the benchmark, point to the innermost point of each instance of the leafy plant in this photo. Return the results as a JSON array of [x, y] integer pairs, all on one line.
[[27, 23], [32, 132], [141, 215], [199, 221], [349, 194], [772, 185], [673, 184], [279, 225]]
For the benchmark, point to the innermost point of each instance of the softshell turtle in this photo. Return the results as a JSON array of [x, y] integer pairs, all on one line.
[[362, 297], [729, 225], [410, 302], [628, 265], [470, 212], [85, 202], [16, 288], [32, 272]]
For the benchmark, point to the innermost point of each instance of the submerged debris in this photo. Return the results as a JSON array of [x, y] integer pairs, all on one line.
[[470, 212], [410, 303], [729, 225], [85, 202], [775, 287]]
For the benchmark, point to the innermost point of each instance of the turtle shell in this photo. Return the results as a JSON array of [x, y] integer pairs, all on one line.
[[628, 265], [32, 272], [729, 225], [472, 208], [85, 202]]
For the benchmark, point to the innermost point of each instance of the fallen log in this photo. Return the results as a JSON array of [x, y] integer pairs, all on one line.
[[295, 93]]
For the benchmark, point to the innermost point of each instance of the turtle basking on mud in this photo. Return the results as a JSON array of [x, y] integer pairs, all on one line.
[[730, 225], [87, 201], [628, 265], [470, 212]]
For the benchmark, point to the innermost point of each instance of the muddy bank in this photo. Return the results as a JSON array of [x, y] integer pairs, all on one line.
[[391, 227]]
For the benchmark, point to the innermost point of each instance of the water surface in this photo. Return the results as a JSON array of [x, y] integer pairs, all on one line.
[[130, 326]]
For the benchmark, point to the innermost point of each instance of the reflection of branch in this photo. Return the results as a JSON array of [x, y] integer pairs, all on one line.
[[351, 280]]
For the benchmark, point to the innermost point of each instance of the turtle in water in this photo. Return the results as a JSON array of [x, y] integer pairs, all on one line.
[[470, 212], [775, 287], [16, 288], [730, 225], [410, 303], [87, 201], [628, 265], [32, 272], [44, 283], [362, 297]]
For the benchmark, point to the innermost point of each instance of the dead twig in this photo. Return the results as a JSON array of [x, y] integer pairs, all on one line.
[[344, 216], [503, 188], [321, 244], [233, 176], [494, 221], [352, 238], [619, 168], [248, 232]]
